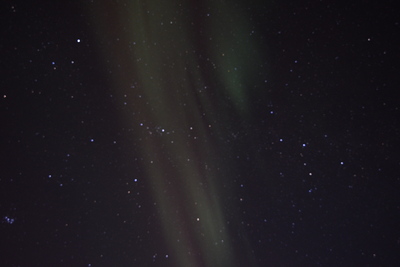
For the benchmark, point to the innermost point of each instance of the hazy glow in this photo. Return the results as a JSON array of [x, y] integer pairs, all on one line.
[[178, 65]]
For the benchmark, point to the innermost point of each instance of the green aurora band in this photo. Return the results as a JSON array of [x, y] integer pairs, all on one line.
[[180, 64]]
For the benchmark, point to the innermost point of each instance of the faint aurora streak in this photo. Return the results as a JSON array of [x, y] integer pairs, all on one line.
[[180, 62]]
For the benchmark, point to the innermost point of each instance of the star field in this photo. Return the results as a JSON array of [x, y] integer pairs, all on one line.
[[244, 133]]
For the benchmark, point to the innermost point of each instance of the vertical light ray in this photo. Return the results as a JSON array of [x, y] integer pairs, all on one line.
[[171, 77]]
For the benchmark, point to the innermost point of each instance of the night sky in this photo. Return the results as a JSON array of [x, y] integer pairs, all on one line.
[[199, 133]]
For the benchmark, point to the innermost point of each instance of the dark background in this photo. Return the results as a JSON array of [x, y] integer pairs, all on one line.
[[316, 180]]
